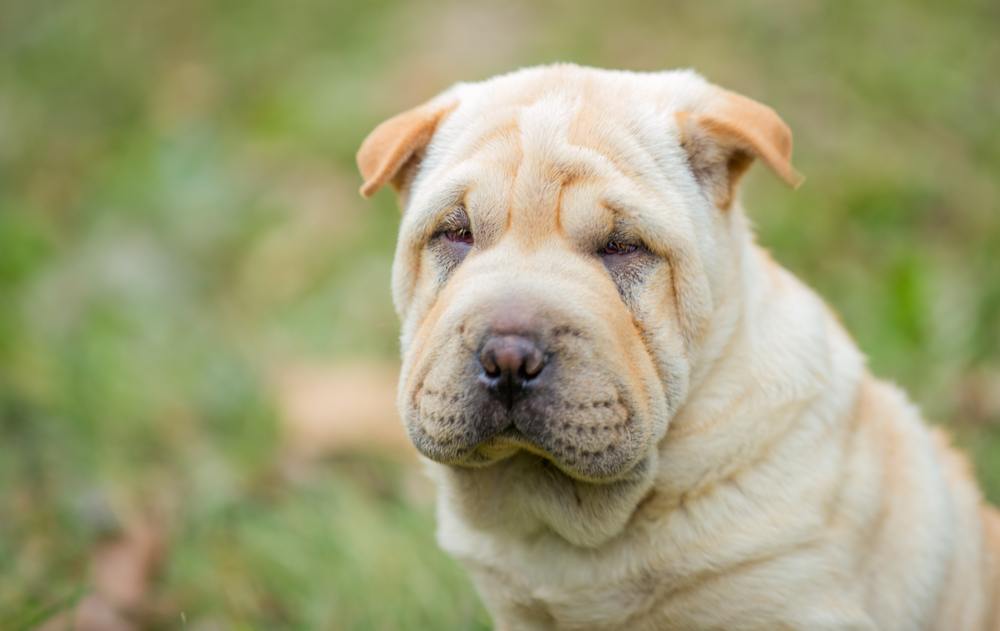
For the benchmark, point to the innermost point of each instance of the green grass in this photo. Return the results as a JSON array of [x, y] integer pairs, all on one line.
[[178, 212]]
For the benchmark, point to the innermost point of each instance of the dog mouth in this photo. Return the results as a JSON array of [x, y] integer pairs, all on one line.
[[599, 466], [512, 446], [503, 445]]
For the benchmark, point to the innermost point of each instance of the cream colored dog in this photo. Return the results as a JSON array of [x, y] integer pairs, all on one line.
[[636, 419]]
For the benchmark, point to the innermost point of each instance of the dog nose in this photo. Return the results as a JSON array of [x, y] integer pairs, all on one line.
[[510, 363]]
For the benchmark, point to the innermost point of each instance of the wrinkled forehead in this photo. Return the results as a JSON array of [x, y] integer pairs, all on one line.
[[539, 159]]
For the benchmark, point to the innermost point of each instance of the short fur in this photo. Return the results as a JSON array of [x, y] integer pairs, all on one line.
[[709, 450]]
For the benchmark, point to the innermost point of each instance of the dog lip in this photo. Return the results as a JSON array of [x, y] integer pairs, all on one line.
[[509, 438], [514, 435], [511, 441]]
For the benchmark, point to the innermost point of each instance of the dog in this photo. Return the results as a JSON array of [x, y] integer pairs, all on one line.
[[635, 418]]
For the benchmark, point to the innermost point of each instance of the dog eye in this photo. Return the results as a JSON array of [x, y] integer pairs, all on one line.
[[454, 236], [459, 235], [456, 227], [615, 247]]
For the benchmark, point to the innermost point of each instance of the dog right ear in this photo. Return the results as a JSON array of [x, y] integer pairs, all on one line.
[[392, 149], [724, 135]]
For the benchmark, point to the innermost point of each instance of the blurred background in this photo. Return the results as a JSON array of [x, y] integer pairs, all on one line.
[[197, 345]]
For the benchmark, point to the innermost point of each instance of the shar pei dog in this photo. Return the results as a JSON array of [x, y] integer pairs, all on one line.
[[635, 418]]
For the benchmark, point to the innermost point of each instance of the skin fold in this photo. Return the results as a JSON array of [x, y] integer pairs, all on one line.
[[699, 444]]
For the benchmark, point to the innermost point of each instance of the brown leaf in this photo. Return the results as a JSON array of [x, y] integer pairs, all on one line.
[[122, 569]]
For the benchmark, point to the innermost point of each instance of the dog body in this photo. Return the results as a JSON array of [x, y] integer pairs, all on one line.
[[635, 418]]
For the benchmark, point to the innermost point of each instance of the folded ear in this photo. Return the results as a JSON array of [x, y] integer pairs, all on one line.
[[393, 148], [725, 134]]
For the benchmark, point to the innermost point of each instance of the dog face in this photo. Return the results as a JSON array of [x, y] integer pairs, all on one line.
[[565, 234]]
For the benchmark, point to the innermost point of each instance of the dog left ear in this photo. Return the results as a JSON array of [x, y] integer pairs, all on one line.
[[723, 137], [394, 147]]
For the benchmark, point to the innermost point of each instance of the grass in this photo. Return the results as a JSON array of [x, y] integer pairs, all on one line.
[[178, 214]]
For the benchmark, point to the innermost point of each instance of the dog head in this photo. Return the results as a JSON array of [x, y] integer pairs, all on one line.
[[565, 236]]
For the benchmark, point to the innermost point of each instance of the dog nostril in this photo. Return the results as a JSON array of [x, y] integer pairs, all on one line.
[[488, 360], [533, 364]]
